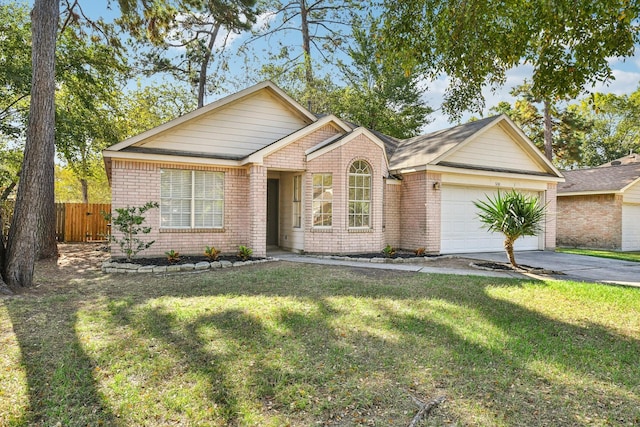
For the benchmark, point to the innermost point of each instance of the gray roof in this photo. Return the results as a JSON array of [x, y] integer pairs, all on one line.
[[601, 179], [434, 144], [630, 158]]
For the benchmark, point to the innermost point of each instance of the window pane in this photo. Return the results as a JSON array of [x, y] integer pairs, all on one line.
[[359, 194], [182, 189]]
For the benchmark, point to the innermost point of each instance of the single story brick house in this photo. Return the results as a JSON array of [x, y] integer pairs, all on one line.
[[600, 207], [257, 169]]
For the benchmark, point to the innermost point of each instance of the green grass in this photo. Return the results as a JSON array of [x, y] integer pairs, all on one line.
[[281, 344], [625, 256]]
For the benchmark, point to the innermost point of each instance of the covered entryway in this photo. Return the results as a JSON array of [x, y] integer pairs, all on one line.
[[273, 209], [461, 230]]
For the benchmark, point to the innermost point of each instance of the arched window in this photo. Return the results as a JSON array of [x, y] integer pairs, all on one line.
[[359, 195]]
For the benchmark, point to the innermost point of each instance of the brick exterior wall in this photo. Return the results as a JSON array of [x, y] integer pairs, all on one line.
[[339, 238], [421, 208], [135, 183], [391, 221], [590, 221]]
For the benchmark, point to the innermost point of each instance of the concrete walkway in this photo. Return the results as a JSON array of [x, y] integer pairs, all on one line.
[[572, 267], [418, 267]]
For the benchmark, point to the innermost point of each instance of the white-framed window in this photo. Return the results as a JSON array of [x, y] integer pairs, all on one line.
[[359, 195], [191, 199], [322, 205], [297, 201]]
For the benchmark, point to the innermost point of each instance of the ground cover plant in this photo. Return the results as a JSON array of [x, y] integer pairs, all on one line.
[[290, 344], [625, 256]]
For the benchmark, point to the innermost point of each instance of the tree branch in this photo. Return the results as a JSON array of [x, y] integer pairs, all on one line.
[[425, 408]]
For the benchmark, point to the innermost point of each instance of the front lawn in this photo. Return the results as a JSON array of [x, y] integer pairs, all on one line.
[[624, 256], [288, 344]]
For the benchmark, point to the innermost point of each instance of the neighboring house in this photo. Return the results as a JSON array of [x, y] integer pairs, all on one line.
[[600, 207], [257, 169]]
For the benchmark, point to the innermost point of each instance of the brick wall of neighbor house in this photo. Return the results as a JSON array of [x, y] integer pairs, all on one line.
[[413, 226], [550, 226], [391, 221], [590, 221], [338, 238], [135, 183]]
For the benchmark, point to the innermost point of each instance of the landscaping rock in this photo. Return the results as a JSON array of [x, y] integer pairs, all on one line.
[[203, 265]]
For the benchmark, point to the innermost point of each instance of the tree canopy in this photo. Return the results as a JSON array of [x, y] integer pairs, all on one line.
[[566, 42]]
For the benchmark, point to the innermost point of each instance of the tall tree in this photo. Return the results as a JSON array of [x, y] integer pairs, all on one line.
[[32, 229], [379, 94], [15, 67], [196, 29], [569, 126], [323, 27], [567, 42], [616, 126]]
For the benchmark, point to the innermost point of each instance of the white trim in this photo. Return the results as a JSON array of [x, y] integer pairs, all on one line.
[[626, 187], [169, 158], [478, 172], [589, 193]]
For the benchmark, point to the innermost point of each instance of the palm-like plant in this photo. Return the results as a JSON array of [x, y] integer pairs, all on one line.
[[512, 214]]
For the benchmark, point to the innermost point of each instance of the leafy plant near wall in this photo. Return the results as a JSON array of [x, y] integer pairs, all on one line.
[[172, 256], [389, 251], [514, 215], [244, 253], [420, 251], [129, 222], [212, 253]]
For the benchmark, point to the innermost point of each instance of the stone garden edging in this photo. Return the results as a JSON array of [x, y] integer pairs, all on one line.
[[128, 267]]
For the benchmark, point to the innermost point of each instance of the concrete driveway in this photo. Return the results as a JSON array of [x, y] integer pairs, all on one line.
[[575, 267]]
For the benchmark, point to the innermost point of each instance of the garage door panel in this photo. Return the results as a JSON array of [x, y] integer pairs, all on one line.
[[462, 231], [630, 227]]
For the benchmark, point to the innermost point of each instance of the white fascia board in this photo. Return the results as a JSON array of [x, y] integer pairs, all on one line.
[[626, 187], [168, 158], [589, 193], [476, 172]]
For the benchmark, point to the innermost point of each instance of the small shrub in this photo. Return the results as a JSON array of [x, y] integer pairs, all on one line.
[[244, 253], [389, 251], [420, 251], [128, 221], [211, 253], [172, 256]]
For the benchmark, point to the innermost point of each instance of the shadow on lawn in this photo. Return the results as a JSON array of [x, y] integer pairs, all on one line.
[[61, 386], [541, 371], [430, 336]]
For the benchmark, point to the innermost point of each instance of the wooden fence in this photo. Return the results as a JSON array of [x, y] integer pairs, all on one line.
[[80, 222]]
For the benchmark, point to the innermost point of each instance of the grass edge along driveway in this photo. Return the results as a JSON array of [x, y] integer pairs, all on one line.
[[283, 344]]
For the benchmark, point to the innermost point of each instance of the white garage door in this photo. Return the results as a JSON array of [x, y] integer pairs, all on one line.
[[461, 230], [630, 227]]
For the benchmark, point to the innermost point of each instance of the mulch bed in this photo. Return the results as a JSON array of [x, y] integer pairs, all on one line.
[[187, 259]]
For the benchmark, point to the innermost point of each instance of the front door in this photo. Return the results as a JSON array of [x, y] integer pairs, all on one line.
[[273, 186]]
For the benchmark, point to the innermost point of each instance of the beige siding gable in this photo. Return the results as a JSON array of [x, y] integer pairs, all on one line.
[[237, 129], [632, 193], [495, 148]]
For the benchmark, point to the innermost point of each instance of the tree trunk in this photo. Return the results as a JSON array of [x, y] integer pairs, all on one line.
[[548, 131], [84, 185], [202, 78], [508, 247], [32, 231], [306, 44]]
